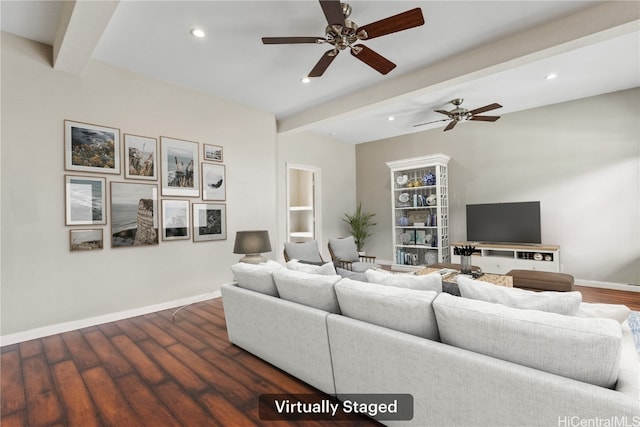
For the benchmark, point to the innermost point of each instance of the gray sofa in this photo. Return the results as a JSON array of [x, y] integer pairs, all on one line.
[[346, 337]]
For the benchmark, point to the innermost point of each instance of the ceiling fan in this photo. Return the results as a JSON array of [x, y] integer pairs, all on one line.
[[459, 114], [342, 33]]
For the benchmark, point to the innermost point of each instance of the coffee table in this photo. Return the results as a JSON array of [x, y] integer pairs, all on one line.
[[496, 279]]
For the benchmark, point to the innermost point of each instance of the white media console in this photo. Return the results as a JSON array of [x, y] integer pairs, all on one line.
[[500, 258]]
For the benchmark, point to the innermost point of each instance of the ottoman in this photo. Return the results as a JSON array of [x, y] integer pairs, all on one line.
[[541, 280]]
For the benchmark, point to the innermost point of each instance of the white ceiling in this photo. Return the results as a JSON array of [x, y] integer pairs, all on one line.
[[482, 51]]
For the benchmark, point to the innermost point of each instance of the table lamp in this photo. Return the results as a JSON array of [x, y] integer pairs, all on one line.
[[252, 244]]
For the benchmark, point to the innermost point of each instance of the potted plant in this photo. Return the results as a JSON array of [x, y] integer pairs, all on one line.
[[360, 223]]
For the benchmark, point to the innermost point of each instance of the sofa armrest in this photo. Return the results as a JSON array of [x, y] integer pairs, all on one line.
[[290, 336]]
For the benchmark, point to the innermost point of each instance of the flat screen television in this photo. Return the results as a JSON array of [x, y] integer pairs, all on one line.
[[517, 222]]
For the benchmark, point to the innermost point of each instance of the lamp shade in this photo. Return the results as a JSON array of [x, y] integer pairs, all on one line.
[[252, 244]]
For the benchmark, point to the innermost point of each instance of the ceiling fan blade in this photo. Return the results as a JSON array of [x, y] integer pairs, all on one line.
[[485, 118], [402, 21], [333, 12], [372, 59], [485, 108], [445, 112], [427, 123], [291, 40], [451, 125], [324, 62]]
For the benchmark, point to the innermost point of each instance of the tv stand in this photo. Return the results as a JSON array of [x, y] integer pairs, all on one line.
[[502, 257]]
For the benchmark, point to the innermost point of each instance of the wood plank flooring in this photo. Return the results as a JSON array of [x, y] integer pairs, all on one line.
[[143, 371], [151, 371]]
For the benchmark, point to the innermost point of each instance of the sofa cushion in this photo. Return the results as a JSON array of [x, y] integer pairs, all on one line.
[[328, 269], [307, 251], [405, 310], [586, 350], [313, 290], [345, 249], [554, 302], [350, 274], [426, 282], [256, 277]]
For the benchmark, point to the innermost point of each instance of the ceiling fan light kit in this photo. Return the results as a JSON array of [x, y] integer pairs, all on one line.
[[342, 33]]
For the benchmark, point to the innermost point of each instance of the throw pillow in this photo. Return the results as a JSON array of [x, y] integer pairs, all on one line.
[[327, 269], [313, 290], [425, 282], [307, 251], [586, 350], [256, 277], [345, 249], [404, 310], [555, 302]]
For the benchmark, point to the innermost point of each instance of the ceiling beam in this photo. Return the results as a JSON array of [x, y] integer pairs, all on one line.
[[81, 26], [606, 20]]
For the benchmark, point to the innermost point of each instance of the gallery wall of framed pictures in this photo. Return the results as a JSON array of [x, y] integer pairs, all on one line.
[[158, 188]]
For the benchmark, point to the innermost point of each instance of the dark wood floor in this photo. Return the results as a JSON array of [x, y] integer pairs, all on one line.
[[143, 371], [150, 371]]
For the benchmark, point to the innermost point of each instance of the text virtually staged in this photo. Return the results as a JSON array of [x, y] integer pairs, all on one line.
[[322, 407]]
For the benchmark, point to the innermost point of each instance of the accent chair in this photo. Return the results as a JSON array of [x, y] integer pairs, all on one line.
[[344, 254]]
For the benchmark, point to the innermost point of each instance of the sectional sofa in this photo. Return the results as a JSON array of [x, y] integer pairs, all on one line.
[[492, 357]]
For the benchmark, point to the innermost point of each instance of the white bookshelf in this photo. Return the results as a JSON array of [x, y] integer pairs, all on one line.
[[419, 211]]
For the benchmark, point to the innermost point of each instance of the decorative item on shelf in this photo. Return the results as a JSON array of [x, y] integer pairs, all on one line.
[[429, 179], [538, 256], [404, 238], [402, 180], [548, 257], [465, 258], [403, 221], [431, 220], [404, 197], [434, 241], [431, 200], [252, 244], [428, 239], [430, 257]]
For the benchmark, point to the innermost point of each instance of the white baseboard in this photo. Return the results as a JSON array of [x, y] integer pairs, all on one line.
[[58, 328], [607, 285]]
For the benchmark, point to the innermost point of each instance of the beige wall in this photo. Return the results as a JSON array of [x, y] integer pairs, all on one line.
[[580, 159], [336, 163], [42, 282]]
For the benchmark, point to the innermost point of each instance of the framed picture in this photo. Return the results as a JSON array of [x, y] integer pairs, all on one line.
[[212, 153], [213, 182], [140, 157], [85, 200], [209, 222], [180, 173], [134, 208], [85, 240], [175, 219], [91, 148]]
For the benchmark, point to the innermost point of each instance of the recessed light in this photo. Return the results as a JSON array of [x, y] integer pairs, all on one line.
[[391, 118], [197, 32], [550, 76], [305, 80]]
